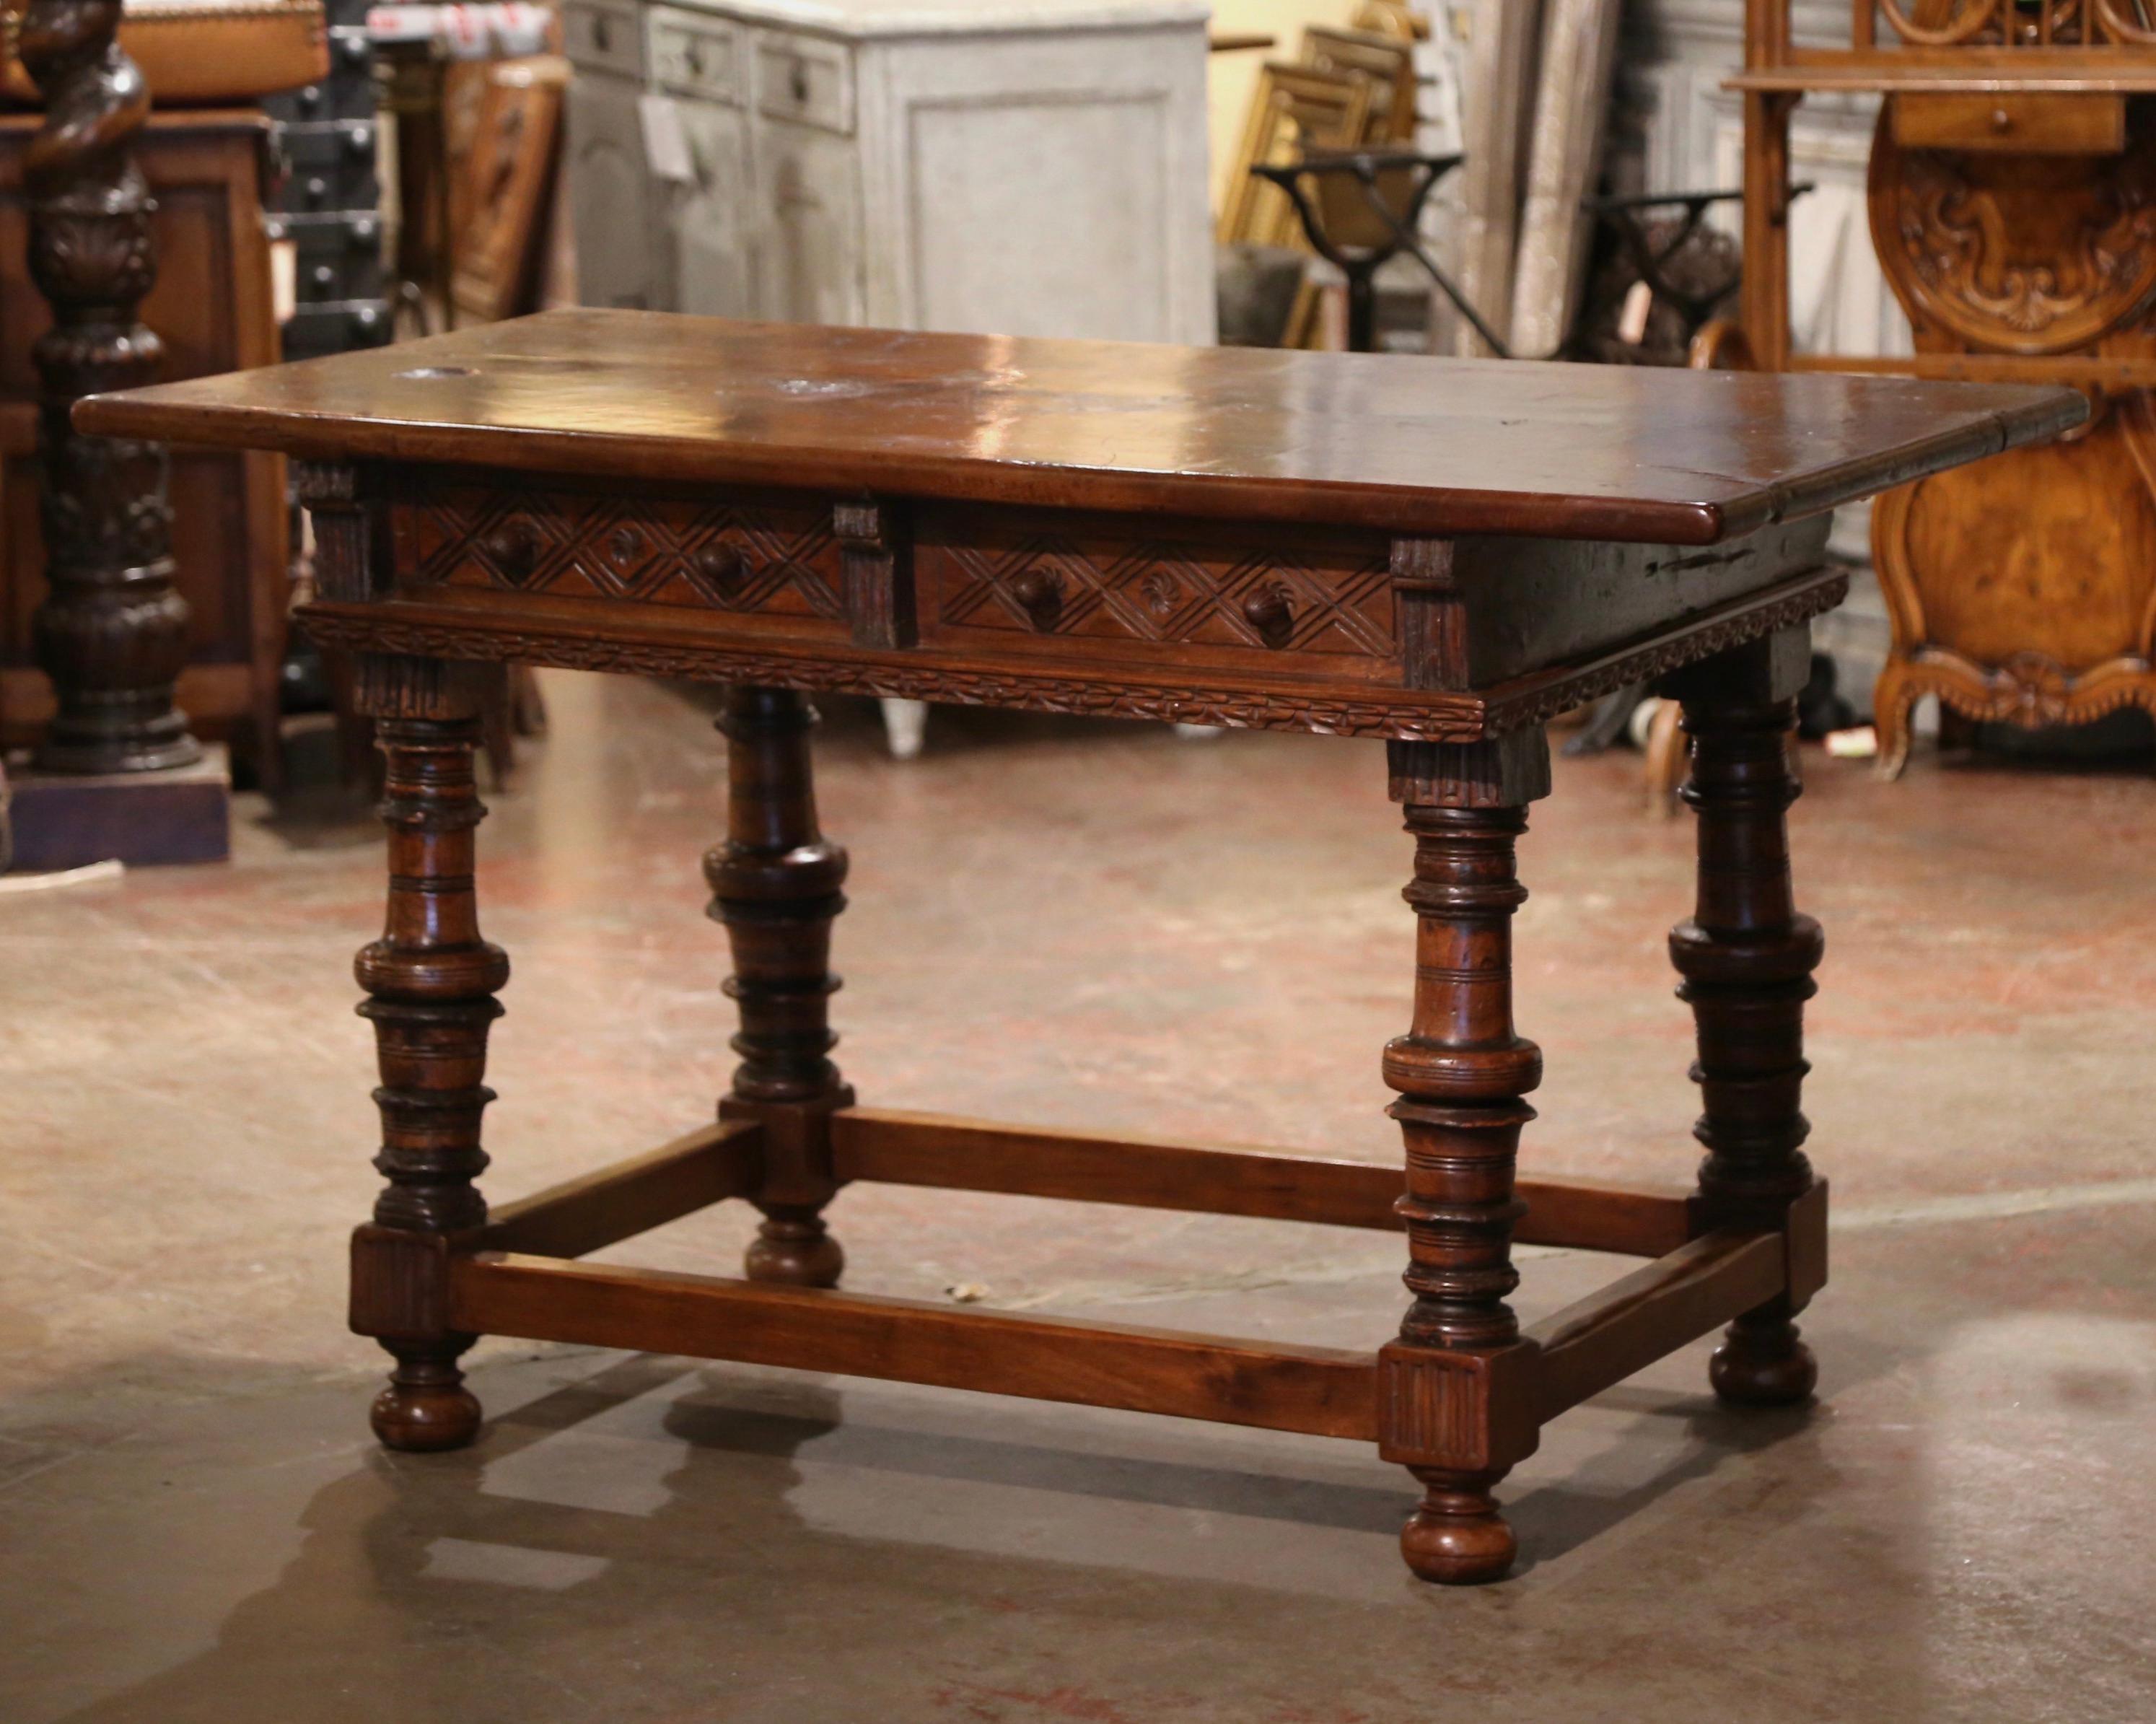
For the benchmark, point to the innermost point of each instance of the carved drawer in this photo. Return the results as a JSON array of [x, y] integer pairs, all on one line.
[[1096, 587], [768, 560]]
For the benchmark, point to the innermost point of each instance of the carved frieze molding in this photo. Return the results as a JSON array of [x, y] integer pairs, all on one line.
[[1431, 717]]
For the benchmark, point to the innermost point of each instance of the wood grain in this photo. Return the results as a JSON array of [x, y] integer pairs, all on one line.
[[1405, 444], [582, 1215], [1323, 1391], [939, 1150], [1601, 1340]]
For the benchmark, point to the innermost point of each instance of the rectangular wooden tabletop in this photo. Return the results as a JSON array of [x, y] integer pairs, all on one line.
[[1437, 447]]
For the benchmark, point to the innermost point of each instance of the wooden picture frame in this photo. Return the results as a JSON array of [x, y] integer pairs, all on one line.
[[507, 178]]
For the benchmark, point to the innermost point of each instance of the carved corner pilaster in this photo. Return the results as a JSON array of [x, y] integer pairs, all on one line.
[[1432, 618], [876, 562], [353, 563]]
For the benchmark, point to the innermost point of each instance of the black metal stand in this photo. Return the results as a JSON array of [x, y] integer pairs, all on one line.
[[1359, 238]]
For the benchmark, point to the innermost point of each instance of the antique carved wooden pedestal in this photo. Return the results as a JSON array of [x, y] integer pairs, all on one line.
[[1441, 554]]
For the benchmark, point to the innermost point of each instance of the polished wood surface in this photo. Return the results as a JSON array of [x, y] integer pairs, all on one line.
[[586, 1214], [430, 983], [1408, 445], [1081, 528], [775, 883], [1325, 1390], [1462, 1072], [899, 1148], [1746, 956]]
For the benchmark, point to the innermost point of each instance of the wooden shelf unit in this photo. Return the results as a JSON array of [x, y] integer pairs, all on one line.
[[2013, 207]]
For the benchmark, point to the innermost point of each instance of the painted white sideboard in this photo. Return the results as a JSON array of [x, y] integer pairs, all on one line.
[[1017, 168]]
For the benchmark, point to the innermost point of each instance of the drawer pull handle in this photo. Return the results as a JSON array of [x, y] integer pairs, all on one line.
[[1040, 591], [1270, 610], [514, 548], [602, 32], [799, 82], [720, 565], [692, 57]]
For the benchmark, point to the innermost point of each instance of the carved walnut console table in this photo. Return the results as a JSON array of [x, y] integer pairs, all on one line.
[[1442, 554]]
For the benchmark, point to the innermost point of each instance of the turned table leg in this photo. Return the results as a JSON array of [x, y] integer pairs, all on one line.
[[1746, 958], [1460, 1071], [430, 981], [775, 886]]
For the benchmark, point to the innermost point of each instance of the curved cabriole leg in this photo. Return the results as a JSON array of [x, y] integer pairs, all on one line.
[[430, 982], [1746, 958], [775, 884], [1892, 701], [1460, 1071]]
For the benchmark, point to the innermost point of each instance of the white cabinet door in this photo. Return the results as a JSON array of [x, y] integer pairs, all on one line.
[[709, 218], [1051, 182], [808, 248], [610, 195]]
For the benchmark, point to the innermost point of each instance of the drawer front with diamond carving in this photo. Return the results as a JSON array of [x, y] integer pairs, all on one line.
[[1066, 586], [767, 560]]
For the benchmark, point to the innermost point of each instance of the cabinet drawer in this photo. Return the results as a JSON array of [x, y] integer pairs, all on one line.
[[333, 164], [1078, 587], [769, 562], [603, 38], [2036, 125], [697, 56], [805, 78]]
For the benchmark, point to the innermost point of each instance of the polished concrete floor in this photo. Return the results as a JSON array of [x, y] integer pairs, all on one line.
[[1111, 928]]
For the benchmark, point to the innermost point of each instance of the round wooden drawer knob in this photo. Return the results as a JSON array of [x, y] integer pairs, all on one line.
[[720, 565], [1271, 612], [513, 548], [1040, 591]]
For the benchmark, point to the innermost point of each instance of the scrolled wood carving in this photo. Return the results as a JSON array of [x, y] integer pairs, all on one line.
[[1945, 23], [2044, 617], [2017, 253], [2019, 23]]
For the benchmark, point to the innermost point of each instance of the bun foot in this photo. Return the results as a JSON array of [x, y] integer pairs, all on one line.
[[1762, 1364], [426, 1407], [795, 1251], [1457, 1538]]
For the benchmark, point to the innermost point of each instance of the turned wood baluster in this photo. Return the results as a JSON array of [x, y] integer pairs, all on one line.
[[111, 632], [430, 982], [1461, 1070], [1746, 958], [775, 884]]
